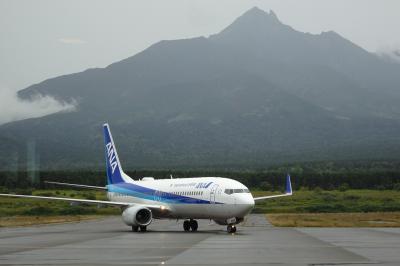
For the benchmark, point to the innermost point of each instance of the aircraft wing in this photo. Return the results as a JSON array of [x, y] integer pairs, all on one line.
[[74, 185], [288, 191], [105, 202], [272, 196]]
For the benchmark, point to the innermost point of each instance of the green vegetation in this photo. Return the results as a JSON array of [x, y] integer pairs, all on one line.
[[320, 201]]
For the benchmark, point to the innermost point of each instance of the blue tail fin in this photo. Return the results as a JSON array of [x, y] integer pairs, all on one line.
[[115, 174], [288, 189]]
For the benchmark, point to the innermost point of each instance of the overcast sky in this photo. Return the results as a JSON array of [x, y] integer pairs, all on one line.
[[43, 39]]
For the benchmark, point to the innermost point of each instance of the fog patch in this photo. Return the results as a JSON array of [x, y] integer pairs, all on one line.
[[390, 53], [12, 108]]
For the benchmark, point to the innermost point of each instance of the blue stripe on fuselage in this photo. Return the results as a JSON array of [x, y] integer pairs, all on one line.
[[151, 194]]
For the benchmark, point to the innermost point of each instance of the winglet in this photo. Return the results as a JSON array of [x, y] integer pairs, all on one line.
[[288, 185], [288, 191]]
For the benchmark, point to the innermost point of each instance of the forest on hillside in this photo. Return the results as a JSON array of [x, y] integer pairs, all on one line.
[[326, 175]]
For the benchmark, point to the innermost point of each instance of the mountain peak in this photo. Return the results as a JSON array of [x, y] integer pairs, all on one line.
[[256, 13], [251, 22], [255, 10]]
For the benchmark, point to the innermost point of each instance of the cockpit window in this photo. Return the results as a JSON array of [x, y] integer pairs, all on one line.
[[230, 191]]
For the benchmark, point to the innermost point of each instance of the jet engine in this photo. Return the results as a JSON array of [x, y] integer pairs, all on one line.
[[137, 216]]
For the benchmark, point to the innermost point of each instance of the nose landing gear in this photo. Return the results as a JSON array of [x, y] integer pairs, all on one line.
[[190, 224], [231, 228], [135, 228]]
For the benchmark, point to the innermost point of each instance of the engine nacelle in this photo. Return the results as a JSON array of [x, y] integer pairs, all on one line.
[[137, 215]]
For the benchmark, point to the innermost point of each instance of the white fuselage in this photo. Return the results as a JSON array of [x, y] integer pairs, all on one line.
[[195, 198]]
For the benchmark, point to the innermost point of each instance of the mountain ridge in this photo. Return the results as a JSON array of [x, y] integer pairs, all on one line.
[[238, 97]]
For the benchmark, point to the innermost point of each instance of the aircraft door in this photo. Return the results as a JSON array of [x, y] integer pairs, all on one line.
[[213, 193]]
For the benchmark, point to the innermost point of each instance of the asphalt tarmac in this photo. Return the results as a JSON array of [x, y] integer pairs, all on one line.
[[110, 242]]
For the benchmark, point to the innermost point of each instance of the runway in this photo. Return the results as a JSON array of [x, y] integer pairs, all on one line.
[[110, 242]]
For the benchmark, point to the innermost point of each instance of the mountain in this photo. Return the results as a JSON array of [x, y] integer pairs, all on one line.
[[258, 92]]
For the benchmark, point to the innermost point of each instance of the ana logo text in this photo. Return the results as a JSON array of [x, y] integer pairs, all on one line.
[[203, 185], [111, 157]]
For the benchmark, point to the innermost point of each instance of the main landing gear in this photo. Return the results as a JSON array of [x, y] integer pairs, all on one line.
[[190, 224], [136, 228], [231, 228]]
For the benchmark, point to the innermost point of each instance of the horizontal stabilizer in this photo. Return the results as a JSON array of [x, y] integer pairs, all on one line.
[[74, 185]]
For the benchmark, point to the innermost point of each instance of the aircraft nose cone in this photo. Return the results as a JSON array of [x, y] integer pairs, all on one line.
[[244, 204], [250, 202]]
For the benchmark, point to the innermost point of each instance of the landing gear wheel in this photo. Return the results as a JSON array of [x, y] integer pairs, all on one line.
[[143, 228], [186, 226], [194, 225], [231, 228], [135, 228]]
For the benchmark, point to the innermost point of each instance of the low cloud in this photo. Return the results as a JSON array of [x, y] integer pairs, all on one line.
[[13, 108], [390, 53], [71, 41]]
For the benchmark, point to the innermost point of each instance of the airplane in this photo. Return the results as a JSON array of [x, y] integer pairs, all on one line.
[[223, 200]]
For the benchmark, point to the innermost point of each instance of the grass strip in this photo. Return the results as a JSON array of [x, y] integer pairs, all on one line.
[[371, 219], [15, 221]]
